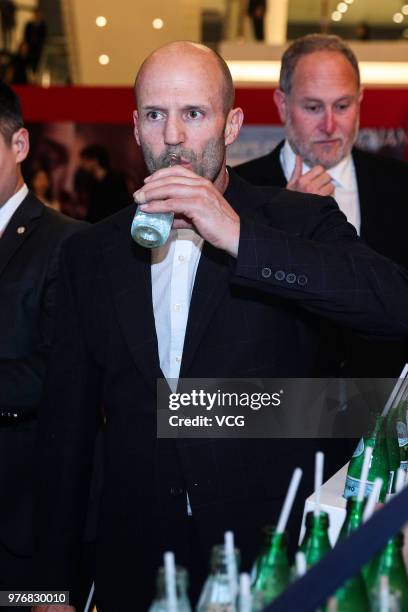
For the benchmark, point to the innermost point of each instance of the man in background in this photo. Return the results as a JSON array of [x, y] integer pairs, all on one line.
[[30, 238], [104, 191], [318, 101]]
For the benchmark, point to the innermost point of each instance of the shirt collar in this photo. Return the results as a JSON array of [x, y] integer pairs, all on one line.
[[342, 173], [9, 208]]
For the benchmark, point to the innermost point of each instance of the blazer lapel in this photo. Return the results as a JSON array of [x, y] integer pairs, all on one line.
[[364, 182], [209, 288], [211, 282], [21, 225], [128, 267]]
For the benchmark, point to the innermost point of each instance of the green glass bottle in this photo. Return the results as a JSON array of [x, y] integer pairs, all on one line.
[[273, 575], [316, 542], [160, 603], [267, 533], [402, 433], [352, 595], [393, 449], [354, 517], [390, 563], [216, 595], [379, 467]]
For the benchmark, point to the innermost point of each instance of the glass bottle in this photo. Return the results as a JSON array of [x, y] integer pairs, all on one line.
[[151, 230], [402, 432], [390, 563], [273, 575], [216, 595], [160, 603], [352, 595], [379, 466], [316, 542]]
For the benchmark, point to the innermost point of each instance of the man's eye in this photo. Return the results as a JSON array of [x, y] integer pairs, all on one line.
[[344, 106], [313, 108], [154, 115], [194, 114]]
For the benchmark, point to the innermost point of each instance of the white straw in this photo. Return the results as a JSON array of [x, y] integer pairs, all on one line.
[[245, 599], [372, 499], [364, 473], [332, 605], [231, 565], [288, 503], [90, 596], [397, 388], [300, 564], [400, 481], [384, 594], [170, 581], [318, 481]]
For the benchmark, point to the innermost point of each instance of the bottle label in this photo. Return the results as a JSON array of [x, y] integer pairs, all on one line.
[[404, 465], [359, 449], [402, 433], [352, 486]]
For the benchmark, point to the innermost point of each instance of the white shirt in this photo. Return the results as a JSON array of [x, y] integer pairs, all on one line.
[[173, 270], [344, 181], [9, 208]]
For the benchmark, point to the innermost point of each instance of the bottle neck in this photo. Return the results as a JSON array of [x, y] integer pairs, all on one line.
[[354, 516]]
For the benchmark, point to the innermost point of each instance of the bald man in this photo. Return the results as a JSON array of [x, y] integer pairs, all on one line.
[[238, 291]]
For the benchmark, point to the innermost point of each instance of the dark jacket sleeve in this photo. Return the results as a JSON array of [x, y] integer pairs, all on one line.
[[21, 379], [327, 269], [68, 422]]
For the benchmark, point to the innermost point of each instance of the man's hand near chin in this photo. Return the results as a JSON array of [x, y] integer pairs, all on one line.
[[53, 609]]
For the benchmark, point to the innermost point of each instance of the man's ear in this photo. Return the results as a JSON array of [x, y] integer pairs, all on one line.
[[20, 143], [279, 98], [361, 95], [233, 125], [136, 126]]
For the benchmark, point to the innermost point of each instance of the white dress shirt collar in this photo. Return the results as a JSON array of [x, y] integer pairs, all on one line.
[[344, 181], [9, 208]]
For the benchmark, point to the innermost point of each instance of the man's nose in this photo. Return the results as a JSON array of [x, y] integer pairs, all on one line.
[[328, 122], [174, 131]]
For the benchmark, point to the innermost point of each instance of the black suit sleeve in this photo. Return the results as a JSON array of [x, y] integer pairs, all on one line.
[[68, 422], [328, 270], [21, 379]]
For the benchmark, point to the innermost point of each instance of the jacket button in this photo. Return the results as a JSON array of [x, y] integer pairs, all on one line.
[[266, 272], [280, 275], [291, 278], [302, 279]]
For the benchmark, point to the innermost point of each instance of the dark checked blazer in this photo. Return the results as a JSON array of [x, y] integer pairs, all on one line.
[[256, 316], [29, 251], [382, 187]]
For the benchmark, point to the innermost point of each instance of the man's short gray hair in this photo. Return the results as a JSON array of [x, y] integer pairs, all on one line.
[[310, 44]]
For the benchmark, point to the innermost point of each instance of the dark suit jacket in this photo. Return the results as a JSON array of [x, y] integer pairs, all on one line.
[[248, 318], [29, 251], [382, 188]]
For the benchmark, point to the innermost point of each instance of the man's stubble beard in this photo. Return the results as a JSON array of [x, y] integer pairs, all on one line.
[[209, 166], [306, 153]]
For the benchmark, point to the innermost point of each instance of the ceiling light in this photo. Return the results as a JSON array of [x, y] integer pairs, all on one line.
[[342, 7], [336, 16], [404, 9], [101, 21], [104, 59], [349, 1], [158, 23], [398, 17]]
